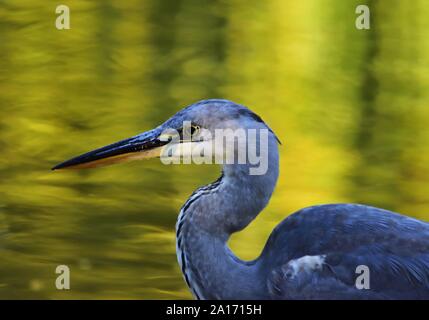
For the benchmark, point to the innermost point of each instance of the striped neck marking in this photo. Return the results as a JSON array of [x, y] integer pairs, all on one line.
[[180, 247]]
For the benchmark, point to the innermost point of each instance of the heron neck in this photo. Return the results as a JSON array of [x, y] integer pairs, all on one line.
[[207, 221]]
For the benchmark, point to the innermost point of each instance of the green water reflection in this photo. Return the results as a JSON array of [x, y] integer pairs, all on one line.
[[351, 108]]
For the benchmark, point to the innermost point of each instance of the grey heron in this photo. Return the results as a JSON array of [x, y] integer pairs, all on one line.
[[312, 254]]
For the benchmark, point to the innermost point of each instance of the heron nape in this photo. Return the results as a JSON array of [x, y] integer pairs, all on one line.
[[312, 254]]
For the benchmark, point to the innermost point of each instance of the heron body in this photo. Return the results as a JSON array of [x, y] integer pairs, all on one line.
[[312, 254]]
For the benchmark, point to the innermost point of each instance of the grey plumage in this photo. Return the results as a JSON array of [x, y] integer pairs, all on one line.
[[394, 247], [312, 254]]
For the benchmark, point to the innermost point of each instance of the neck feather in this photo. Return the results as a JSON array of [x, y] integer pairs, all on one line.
[[205, 224]]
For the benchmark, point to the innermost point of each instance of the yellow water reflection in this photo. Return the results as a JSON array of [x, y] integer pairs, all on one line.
[[350, 106]]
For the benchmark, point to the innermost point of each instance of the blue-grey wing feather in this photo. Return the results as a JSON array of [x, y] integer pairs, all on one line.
[[395, 248]]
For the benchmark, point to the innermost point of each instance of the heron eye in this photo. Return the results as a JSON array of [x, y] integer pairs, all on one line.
[[189, 132], [195, 129]]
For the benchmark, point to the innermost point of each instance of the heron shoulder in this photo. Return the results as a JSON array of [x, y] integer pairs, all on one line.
[[342, 227], [349, 216], [394, 247]]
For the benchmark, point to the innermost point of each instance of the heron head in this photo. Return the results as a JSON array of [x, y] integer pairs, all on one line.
[[189, 132]]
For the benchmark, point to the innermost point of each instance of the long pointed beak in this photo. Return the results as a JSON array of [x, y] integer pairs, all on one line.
[[144, 146]]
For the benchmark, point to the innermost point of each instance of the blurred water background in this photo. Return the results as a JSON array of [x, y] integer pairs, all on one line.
[[350, 106]]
